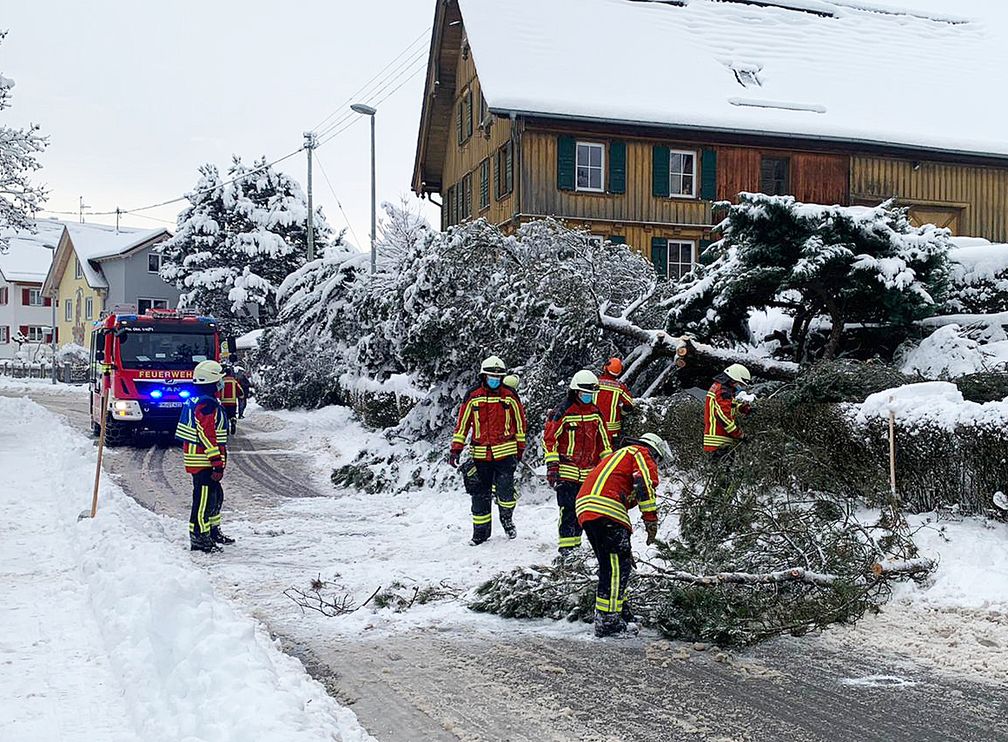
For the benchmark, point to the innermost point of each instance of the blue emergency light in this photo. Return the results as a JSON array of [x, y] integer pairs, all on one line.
[[156, 394], [184, 394]]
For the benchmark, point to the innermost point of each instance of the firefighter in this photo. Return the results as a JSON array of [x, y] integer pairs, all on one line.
[[721, 410], [614, 398], [203, 430], [624, 478], [511, 381], [574, 440], [231, 392], [245, 389], [495, 417]]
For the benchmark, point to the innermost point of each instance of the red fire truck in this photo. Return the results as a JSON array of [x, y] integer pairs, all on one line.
[[145, 362]]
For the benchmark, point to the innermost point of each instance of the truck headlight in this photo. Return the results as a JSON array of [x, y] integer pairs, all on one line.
[[126, 409]]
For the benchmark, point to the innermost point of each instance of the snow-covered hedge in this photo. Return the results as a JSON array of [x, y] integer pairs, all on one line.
[[979, 279]]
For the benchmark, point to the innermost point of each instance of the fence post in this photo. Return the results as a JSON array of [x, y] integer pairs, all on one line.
[[892, 450]]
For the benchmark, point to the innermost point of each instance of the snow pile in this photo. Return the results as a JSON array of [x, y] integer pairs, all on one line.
[[177, 661], [936, 402], [979, 279], [946, 354]]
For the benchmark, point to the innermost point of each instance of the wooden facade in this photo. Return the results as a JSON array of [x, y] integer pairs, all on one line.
[[969, 196]]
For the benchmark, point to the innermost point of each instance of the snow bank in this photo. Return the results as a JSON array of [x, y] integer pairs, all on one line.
[[191, 667], [937, 402], [946, 354]]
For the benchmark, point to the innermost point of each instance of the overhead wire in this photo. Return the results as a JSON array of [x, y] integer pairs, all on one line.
[[338, 203]]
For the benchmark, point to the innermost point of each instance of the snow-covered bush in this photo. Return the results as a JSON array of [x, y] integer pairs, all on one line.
[[945, 354], [72, 353], [978, 277], [237, 241], [846, 264]]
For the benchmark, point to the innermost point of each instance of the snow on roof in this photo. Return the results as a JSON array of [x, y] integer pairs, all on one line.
[[839, 70], [96, 242], [28, 254]]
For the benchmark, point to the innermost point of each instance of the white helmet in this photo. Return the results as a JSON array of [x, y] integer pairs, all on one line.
[[584, 381], [656, 444], [208, 372], [493, 366], [511, 381], [738, 373]]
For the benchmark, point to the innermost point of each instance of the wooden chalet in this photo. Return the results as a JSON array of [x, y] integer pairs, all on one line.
[[630, 118]]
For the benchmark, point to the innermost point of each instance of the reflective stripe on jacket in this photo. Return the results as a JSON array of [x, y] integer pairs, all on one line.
[[203, 430], [720, 414], [609, 491], [575, 438], [613, 398], [495, 418], [231, 392]]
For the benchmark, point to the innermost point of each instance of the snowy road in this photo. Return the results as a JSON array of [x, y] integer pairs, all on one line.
[[440, 673]]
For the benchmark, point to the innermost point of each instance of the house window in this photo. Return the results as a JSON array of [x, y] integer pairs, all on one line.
[[36, 334], [505, 171], [774, 176], [68, 310], [590, 163], [89, 308], [484, 184], [144, 304], [78, 270], [448, 207], [483, 110], [153, 262], [4, 296], [595, 240], [672, 258], [682, 173], [466, 189], [4, 335], [465, 116], [35, 297]]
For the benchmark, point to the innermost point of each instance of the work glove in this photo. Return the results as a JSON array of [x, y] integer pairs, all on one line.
[[453, 459], [553, 474], [217, 473], [651, 526], [745, 408]]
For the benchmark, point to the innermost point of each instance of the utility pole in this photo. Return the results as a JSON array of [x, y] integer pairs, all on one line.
[[81, 209], [309, 145]]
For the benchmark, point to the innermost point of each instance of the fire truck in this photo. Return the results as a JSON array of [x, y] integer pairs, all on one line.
[[145, 362]]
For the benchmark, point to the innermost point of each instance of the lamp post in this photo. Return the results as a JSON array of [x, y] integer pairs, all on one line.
[[369, 111]]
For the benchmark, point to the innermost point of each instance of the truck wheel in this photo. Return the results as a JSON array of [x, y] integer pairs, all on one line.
[[95, 429], [117, 433]]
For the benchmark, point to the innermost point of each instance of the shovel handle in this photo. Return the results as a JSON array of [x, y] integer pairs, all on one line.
[[101, 451]]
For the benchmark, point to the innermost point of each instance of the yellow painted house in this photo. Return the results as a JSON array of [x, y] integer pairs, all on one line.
[[98, 267]]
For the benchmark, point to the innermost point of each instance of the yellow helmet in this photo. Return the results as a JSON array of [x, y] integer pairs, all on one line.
[[584, 381], [208, 372], [493, 366], [511, 381], [739, 374]]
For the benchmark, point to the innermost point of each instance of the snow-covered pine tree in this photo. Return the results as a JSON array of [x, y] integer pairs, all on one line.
[[237, 241], [19, 150], [849, 264]]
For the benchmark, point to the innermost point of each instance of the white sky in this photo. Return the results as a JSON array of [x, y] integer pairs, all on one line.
[[136, 95]]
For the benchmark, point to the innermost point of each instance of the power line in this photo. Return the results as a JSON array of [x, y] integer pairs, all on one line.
[[363, 87], [333, 191]]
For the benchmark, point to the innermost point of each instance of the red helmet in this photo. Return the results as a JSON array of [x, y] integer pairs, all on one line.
[[614, 367]]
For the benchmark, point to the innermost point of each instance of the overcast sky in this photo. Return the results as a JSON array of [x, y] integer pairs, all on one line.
[[136, 95]]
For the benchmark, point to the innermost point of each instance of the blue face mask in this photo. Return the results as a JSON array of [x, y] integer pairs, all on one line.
[[587, 397], [493, 382]]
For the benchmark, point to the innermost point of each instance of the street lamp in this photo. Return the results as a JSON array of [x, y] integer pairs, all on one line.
[[366, 110]]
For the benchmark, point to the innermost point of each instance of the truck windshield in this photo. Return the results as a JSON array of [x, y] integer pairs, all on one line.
[[173, 350]]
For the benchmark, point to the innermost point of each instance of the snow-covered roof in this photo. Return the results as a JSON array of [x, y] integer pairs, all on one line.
[[29, 254], [96, 242], [840, 70]]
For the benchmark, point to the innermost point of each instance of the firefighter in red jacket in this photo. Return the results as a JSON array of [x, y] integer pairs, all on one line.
[[623, 479], [230, 394], [614, 398], [203, 430], [495, 418], [574, 440], [721, 411]]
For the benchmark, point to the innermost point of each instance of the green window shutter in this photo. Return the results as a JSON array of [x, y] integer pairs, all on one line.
[[497, 175], [617, 239], [659, 255], [708, 175], [706, 258], [660, 171], [617, 166], [566, 162], [509, 175]]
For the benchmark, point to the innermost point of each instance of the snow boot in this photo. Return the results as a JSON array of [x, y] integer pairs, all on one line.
[[627, 614], [202, 542], [509, 528], [567, 557], [477, 541], [218, 537], [608, 624]]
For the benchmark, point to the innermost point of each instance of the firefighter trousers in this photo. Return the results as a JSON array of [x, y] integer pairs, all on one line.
[[568, 527], [208, 497], [231, 410], [611, 543], [493, 480]]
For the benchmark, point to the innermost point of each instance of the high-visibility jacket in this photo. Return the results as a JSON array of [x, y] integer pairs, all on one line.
[[613, 399], [203, 430], [720, 417], [496, 420], [623, 479], [575, 438], [231, 392]]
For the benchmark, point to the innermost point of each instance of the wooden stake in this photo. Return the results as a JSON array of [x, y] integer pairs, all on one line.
[[101, 451], [892, 450]]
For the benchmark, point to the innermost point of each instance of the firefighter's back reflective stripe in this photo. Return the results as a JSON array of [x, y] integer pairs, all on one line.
[[188, 430], [596, 502], [229, 395]]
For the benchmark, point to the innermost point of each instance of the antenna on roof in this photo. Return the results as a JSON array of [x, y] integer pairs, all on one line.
[[118, 211], [81, 209]]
